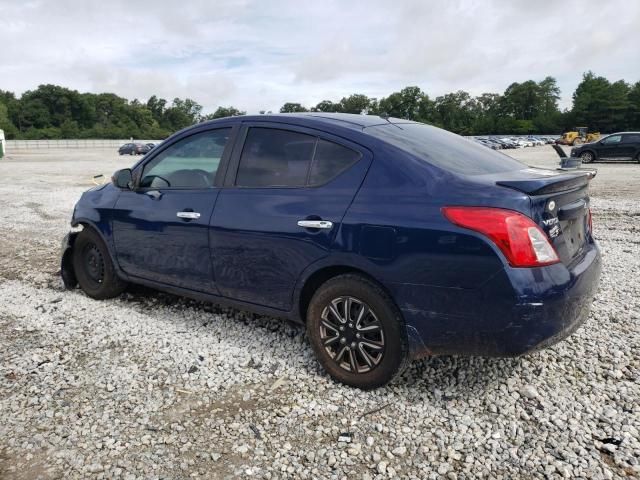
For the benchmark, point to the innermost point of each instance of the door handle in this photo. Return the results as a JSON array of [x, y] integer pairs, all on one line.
[[315, 224], [188, 215]]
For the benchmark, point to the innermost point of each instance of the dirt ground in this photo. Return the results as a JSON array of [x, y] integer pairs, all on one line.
[[151, 386]]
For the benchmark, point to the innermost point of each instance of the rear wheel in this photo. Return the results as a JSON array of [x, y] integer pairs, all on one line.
[[93, 267], [587, 157], [357, 332]]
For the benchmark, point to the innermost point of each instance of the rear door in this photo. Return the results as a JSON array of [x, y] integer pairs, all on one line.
[[160, 229], [630, 145], [285, 195], [610, 147]]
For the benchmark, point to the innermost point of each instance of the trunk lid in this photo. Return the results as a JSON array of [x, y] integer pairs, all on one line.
[[559, 205]]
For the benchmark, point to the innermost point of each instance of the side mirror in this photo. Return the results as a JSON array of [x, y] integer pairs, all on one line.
[[122, 178]]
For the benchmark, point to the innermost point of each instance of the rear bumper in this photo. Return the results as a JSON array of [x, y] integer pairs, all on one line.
[[518, 311]]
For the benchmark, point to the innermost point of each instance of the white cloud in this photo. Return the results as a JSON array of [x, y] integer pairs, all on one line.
[[257, 55]]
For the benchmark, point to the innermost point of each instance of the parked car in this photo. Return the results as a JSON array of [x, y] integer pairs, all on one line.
[[503, 144], [617, 146], [526, 142], [535, 141], [487, 143], [134, 149], [389, 239], [511, 142]]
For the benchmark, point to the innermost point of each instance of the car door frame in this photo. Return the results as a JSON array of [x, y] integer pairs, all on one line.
[[232, 167], [138, 169]]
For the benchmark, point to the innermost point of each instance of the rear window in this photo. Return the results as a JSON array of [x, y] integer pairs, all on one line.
[[444, 149]]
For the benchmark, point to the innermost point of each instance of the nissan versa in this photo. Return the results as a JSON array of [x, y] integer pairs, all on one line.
[[389, 239]]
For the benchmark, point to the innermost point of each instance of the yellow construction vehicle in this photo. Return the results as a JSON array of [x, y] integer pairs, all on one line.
[[578, 136]]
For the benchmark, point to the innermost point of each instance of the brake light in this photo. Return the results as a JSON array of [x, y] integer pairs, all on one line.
[[516, 235]]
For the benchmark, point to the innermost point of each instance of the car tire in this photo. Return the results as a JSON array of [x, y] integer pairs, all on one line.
[[367, 348], [94, 268], [587, 157]]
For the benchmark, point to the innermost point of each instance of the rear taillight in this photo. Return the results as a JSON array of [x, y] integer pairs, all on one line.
[[516, 235]]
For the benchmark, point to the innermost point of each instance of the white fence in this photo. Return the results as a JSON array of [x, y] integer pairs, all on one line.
[[15, 145]]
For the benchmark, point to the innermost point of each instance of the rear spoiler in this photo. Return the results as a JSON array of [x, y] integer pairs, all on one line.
[[568, 180]]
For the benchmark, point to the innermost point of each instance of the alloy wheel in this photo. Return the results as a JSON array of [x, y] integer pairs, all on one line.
[[587, 157], [352, 335]]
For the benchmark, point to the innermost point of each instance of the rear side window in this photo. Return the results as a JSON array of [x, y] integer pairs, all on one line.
[[444, 149], [282, 158], [330, 161]]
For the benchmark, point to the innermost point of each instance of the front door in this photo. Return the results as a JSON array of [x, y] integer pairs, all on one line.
[[160, 229], [288, 190]]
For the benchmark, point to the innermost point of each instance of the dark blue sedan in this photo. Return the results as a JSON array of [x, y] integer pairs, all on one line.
[[389, 239]]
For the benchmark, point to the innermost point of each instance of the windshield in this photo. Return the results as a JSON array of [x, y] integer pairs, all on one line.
[[445, 149]]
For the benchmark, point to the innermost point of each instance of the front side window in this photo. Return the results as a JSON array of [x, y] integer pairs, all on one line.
[[191, 162], [632, 138], [612, 140]]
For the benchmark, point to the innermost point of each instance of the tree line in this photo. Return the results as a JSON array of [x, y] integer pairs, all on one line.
[[530, 107]]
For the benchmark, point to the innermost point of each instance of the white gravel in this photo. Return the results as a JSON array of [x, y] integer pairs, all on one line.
[[153, 386]]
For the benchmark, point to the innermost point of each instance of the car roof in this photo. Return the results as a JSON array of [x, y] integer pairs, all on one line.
[[346, 120]]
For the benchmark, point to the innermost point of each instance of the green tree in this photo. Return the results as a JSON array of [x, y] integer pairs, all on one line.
[[487, 113], [456, 112], [327, 106], [590, 101], [292, 108], [356, 103], [410, 103], [181, 114], [222, 112], [633, 110], [10, 130]]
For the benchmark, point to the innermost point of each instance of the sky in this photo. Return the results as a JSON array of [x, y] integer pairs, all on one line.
[[257, 55]]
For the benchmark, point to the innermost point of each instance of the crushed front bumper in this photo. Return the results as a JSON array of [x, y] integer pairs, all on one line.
[[66, 261]]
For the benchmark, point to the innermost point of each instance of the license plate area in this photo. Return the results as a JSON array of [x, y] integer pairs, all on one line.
[[573, 236]]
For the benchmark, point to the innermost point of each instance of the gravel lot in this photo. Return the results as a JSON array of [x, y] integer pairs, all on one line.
[[153, 386]]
